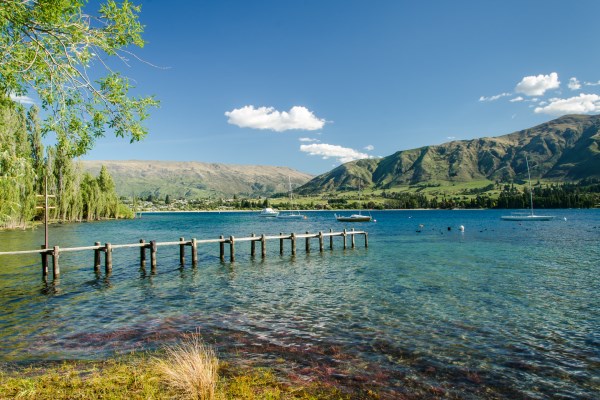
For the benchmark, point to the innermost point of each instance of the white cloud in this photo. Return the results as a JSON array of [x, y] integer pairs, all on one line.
[[574, 84], [537, 85], [268, 118], [307, 139], [592, 83], [516, 99], [451, 137], [343, 154], [22, 99], [493, 98], [369, 147], [582, 104]]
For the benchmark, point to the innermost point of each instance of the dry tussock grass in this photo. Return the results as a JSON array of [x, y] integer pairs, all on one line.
[[191, 367]]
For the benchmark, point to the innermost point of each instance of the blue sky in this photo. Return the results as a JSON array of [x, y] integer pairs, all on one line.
[[310, 84]]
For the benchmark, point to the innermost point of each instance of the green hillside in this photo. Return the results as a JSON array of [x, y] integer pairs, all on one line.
[[566, 149]]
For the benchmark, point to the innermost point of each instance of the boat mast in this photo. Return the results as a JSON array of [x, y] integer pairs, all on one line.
[[530, 191]]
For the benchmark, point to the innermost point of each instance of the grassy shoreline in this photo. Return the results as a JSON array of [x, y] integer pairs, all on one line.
[[138, 376]]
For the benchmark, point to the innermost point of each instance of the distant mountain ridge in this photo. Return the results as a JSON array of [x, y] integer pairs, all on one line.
[[565, 149], [192, 180]]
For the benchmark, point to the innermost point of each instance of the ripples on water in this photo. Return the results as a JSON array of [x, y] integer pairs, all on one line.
[[502, 310]]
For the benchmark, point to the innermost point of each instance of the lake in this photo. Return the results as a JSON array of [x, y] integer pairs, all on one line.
[[501, 310]]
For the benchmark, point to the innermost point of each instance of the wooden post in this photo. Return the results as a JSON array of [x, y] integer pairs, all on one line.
[[330, 239], [263, 246], [108, 259], [97, 258], [307, 245], [352, 238], [344, 236], [320, 242], [281, 243], [44, 262], [55, 267], [143, 253], [181, 251], [366, 240], [293, 239], [222, 248], [153, 255], [232, 248], [194, 252], [253, 246]]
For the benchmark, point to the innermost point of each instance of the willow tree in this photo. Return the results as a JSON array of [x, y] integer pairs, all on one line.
[[50, 49]]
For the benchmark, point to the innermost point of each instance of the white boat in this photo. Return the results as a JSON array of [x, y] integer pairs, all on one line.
[[530, 216], [268, 212], [293, 214], [354, 217]]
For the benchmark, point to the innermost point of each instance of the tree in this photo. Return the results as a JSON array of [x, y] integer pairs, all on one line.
[[51, 46]]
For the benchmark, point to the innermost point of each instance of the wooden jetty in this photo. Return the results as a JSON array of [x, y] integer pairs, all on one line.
[[107, 248]]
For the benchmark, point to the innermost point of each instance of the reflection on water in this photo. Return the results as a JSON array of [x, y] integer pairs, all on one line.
[[500, 310]]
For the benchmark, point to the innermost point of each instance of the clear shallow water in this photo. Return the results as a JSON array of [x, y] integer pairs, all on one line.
[[502, 310]]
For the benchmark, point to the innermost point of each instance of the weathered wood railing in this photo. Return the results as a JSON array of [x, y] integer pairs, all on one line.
[[153, 245]]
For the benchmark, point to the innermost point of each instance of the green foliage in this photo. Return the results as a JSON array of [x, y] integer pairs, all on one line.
[[49, 47]]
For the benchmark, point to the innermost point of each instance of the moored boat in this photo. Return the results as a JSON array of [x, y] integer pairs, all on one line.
[[268, 212]]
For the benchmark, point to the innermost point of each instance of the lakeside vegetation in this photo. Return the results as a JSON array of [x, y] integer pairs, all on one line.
[[476, 194], [26, 168]]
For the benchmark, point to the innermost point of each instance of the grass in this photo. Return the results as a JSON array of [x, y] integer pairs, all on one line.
[[191, 367], [156, 376]]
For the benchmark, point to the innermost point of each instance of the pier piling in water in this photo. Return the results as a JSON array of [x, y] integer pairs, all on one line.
[[108, 248]]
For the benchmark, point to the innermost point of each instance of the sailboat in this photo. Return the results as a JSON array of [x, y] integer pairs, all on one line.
[[292, 214], [527, 216], [354, 217]]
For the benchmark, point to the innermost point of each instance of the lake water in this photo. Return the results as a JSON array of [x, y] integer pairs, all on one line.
[[501, 310]]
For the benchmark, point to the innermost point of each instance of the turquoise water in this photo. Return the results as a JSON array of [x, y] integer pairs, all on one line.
[[501, 310]]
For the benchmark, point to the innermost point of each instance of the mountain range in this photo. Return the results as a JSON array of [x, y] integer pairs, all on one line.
[[191, 180], [566, 149]]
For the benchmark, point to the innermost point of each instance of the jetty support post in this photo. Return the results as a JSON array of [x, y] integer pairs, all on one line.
[[222, 248], [194, 252], [44, 262], [97, 257], [280, 243], [293, 240], [331, 239], [182, 251], [344, 235], [55, 267], [263, 246], [307, 244], [153, 256], [320, 241], [253, 246], [352, 238], [108, 259], [231, 248], [366, 240], [143, 254]]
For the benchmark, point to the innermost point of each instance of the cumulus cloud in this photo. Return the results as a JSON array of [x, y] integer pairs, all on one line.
[[22, 99], [582, 104], [343, 154], [309, 140], [537, 85], [369, 147], [516, 99], [494, 98], [297, 117], [592, 83], [574, 84]]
